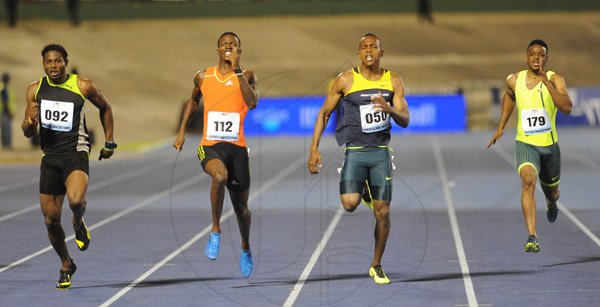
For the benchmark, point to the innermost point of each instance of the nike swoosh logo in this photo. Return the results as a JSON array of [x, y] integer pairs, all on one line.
[[388, 178]]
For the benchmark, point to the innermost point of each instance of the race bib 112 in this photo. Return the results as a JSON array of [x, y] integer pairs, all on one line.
[[223, 126]]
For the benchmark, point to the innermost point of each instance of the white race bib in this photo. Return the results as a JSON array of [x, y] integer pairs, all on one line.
[[223, 126], [57, 115], [535, 121], [372, 120]]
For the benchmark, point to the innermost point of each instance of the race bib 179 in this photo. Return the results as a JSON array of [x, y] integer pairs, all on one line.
[[535, 121]]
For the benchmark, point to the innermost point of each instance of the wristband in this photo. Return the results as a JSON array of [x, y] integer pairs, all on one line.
[[110, 146], [238, 71]]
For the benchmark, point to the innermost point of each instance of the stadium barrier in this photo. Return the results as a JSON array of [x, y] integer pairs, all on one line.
[[297, 115]]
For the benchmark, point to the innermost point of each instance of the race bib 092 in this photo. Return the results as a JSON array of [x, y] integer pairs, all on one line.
[[56, 115]]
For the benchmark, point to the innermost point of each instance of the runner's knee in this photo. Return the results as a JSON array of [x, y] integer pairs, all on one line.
[[350, 205], [219, 178], [350, 201], [528, 179], [52, 222], [75, 199], [382, 212], [242, 210]]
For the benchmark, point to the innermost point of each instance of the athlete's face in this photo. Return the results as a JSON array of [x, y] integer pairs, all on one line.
[[229, 49], [537, 57], [54, 65], [369, 50]]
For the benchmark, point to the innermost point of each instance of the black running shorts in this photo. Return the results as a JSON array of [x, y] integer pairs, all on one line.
[[235, 159], [55, 169]]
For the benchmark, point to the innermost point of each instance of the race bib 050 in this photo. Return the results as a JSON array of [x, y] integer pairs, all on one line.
[[372, 120]]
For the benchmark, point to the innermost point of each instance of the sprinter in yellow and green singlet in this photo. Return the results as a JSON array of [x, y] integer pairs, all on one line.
[[538, 95]]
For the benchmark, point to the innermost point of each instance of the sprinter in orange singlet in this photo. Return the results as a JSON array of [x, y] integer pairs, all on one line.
[[229, 92]]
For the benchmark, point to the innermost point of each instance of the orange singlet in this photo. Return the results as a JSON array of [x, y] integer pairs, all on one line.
[[224, 109]]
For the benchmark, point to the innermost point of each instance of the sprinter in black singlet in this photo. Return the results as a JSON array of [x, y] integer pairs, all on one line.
[[370, 95], [55, 103]]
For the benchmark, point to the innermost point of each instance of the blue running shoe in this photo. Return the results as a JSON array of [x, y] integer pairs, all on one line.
[[212, 246], [246, 263]]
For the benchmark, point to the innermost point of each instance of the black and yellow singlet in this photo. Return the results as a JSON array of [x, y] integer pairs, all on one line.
[[359, 124], [61, 117]]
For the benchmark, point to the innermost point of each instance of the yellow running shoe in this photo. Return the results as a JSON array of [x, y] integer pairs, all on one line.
[[366, 196], [64, 281], [379, 275], [82, 236], [532, 245]]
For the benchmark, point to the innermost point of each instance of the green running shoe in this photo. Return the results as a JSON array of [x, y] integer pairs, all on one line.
[[379, 275], [532, 245]]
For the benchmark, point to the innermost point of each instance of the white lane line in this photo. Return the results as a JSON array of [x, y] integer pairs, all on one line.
[[100, 184], [460, 250], [137, 206], [164, 261], [577, 222], [585, 160], [20, 184], [263, 188], [562, 207], [17, 213], [313, 259]]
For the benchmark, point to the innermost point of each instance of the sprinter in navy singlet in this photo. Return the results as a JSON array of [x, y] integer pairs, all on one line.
[[368, 96]]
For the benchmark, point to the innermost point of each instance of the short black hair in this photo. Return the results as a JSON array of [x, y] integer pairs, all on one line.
[[375, 36], [538, 41], [57, 48], [230, 33]]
